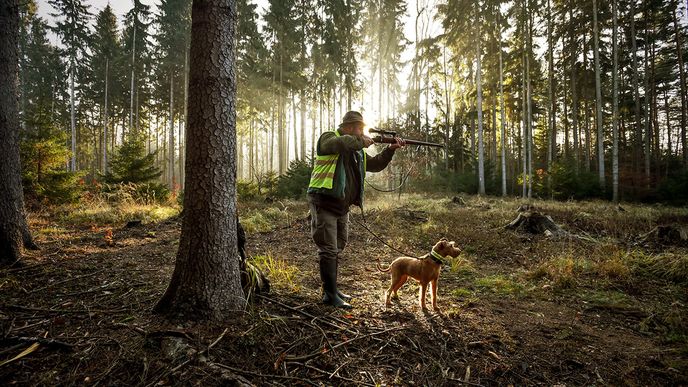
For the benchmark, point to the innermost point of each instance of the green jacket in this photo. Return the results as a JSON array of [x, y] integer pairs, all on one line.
[[329, 176]]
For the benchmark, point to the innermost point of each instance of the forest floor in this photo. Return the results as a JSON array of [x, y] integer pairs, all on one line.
[[606, 304]]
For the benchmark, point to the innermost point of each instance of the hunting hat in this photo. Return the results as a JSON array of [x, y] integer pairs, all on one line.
[[351, 117]]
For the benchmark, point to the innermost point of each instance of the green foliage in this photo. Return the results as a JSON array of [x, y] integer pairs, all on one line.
[[131, 164], [44, 155], [674, 189], [132, 174], [294, 182], [566, 184]]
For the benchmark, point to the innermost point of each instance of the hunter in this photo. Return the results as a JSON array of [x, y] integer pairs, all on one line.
[[336, 183]]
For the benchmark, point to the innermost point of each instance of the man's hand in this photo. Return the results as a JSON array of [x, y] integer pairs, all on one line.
[[400, 143], [367, 141]]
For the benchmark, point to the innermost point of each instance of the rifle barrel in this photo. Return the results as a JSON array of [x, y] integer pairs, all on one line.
[[390, 140]]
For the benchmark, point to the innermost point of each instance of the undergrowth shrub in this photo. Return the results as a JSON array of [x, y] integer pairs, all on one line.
[[44, 177], [294, 183]]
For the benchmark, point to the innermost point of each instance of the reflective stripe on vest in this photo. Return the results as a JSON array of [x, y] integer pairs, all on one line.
[[323, 170]]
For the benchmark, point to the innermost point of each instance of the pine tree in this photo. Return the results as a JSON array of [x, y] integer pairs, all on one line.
[[72, 27], [105, 47]]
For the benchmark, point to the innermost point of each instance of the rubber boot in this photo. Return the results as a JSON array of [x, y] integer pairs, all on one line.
[[328, 274], [341, 295]]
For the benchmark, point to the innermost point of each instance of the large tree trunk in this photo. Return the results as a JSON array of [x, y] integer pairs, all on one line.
[[598, 105], [14, 231], [206, 280]]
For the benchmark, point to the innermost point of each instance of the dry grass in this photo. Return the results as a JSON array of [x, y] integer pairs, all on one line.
[[280, 273]]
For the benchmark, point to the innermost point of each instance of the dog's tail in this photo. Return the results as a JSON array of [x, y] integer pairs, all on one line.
[[379, 267]]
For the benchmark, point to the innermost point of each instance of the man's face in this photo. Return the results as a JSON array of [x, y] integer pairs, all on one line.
[[356, 129]]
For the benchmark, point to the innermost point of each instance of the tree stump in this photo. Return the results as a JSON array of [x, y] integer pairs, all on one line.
[[667, 235], [533, 222]]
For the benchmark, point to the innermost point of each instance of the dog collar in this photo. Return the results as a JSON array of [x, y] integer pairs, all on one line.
[[437, 257]]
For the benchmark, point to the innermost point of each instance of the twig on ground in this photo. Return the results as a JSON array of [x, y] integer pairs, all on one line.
[[44, 341], [465, 382], [320, 352], [303, 313], [356, 382], [267, 376], [67, 280], [205, 351]]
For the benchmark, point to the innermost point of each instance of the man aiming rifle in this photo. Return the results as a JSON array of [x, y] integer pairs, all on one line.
[[336, 183]]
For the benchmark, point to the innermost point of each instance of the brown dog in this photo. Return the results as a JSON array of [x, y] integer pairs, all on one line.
[[425, 269]]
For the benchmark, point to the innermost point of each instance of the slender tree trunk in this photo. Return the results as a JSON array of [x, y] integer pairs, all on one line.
[[551, 137], [72, 114], [14, 230], [170, 154], [615, 107], [598, 92], [182, 135], [105, 114], [637, 143], [478, 81], [574, 101], [524, 131], [646, 142], [206, 280], [133, 67], [296, 129], [530, 111], [682, 80], [501, 107], [302, 102], [447, 103]]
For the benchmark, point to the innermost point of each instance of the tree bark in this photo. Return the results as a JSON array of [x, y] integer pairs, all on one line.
[[598, 104], [501, 108], [133, 67], [478, 81], [574, 104], [615, 108], [14, 231], [170, 154], [551, 137], [206, 281], [637, 143], [682, 79], [105, 114]]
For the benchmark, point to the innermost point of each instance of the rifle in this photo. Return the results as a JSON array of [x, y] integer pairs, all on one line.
[[388, 137]]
